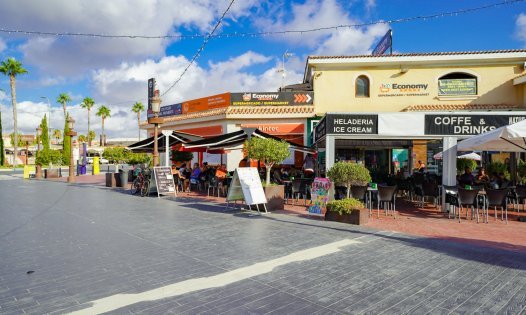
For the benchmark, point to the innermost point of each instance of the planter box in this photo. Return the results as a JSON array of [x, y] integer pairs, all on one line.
[[275, 197], [358, 217], [112, 179], [53, 173]]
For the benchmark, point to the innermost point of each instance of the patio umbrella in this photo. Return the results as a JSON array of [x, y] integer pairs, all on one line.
[[470, 156], [176, 137], [510, 138]]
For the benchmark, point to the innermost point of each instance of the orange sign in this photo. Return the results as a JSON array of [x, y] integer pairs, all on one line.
[[210, 131], [278, 129], [206, 103]]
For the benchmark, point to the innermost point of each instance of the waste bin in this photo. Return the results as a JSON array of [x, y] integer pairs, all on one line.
[[123, 178], [110, 180]]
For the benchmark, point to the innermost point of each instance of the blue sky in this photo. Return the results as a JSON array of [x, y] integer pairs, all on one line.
[[114, 71]]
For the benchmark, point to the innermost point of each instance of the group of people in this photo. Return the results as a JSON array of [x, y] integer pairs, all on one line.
[[198, 175], [497, 180]]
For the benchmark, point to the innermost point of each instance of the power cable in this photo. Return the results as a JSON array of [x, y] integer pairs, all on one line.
[[268, 33]]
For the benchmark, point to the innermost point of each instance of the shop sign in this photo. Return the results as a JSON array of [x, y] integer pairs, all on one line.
[[342, 124], [278, 129], [169, 110], [466, 125], [151, 89], [206, 103], [272, 98], [321, 129], [457, 87], [403, 89]]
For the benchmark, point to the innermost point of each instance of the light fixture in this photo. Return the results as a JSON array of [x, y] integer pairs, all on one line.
[[156, 102], [403, 70], [71, 123], [39, 131]]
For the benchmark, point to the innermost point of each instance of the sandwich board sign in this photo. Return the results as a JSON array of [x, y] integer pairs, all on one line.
[[164, 180], [246, 186]]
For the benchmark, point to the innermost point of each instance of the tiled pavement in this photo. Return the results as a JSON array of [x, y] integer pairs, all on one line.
[[86, 243]]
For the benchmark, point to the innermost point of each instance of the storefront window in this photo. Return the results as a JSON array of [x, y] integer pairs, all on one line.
[[362, 86]]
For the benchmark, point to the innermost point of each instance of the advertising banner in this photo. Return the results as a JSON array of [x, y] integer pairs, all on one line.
[[457, 87], [320, 195], [278, 129], [272, 98], [169, 110], [351, 124], [151, 89], [466, 125], [385, 43], [321, 129], [206, 103]]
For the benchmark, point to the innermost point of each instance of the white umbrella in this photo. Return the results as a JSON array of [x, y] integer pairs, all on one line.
[[510, 138], [470, 156]]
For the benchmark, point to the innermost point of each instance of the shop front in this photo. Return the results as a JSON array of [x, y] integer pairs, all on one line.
[[390, 144]]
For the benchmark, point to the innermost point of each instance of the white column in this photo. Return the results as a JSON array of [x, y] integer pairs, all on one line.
[[167, 134], [330, 152], [449, 170]]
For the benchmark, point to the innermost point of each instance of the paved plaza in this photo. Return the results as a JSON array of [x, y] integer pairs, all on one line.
[[87, 250]]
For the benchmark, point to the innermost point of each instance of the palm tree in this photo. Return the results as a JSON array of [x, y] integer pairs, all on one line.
[[103, 113], [91, 135], [63, 98], [137, 108], [82, 138], [57, 134], [12, 68], [88, 103]]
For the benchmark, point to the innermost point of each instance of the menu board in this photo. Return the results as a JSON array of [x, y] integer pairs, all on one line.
[[246, 185], [164, 180], [320, 195]]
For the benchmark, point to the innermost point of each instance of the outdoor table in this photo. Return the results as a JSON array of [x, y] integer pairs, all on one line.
[[369, 202], [481, 193]]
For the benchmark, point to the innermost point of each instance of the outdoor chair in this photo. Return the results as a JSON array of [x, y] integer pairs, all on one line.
[[387, 197], [360, 193], [451, 197], [430, 189], [213, 184], [299, 187], [404, 187], [497, 198], [517, 197], [467, 197]]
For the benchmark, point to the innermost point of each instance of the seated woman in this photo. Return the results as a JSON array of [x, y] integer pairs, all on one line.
[[482, 178], [194, 177], [467, 178]]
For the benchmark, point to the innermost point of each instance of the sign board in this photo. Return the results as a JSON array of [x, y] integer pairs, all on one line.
[[169, 110], [320, 195], [151, 89], [320, 130], [457, 87], [385, 43], [403, 89], [467, 124], [164, 180], [246, 185], [206, 103], [350, 124], [278, 129], [272, 98]]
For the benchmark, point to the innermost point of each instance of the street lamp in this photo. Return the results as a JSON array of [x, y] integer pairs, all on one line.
[[282, 70], [156, 120], [38, 172], [49, 116], [71, 133]]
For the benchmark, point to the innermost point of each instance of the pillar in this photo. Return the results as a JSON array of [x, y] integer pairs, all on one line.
[[449, 169], [330, 152]]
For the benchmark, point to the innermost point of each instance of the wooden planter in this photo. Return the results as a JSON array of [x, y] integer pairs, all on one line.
[[52, 173], [358, 217], [275, 197]]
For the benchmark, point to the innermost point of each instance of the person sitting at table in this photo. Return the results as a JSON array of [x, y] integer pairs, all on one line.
[[221, 171], [482, 177], [194, 177], [467, 178], [308, 166], [276, 176]]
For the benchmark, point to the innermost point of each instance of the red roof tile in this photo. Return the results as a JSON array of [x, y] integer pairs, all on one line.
[[454, 107], [425, 54]]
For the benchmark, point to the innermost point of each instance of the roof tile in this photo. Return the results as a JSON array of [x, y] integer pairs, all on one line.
[[424, 54], [455, 107]]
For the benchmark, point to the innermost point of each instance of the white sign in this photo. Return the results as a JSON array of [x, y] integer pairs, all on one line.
[[248, 179]]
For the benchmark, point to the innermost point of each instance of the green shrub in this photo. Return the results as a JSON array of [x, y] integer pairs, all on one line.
[[348, 174], [499, 167], [137, 158], [463, 163], [344, 206], [48, 156]]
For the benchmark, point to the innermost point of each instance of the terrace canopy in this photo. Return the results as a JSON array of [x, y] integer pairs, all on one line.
[[164, 140], [510, 138]]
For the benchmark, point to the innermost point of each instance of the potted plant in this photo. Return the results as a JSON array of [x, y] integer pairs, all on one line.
[[48, 157], [348, 210], [270, 151]]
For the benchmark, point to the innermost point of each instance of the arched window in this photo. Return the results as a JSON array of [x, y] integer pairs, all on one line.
[[362, 86], [457, 83]]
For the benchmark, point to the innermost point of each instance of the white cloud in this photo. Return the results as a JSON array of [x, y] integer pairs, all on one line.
[[314, 14], [520, 28], [73, 55]]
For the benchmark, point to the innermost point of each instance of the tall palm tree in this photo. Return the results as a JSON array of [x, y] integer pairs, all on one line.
[[82, 139], [88, 103], [137, 108], [103, 112], [12, 68], [63, 98], [57, 134], [91, 135]]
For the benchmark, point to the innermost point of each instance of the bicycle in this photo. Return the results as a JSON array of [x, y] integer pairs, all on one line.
[[141, 184]]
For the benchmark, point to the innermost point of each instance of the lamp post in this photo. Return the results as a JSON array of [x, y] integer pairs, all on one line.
[[156, 120], [49, 116], [71, 133], [282, 70], [38, 171]]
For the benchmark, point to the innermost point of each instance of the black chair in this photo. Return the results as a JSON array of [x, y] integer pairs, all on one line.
[[299, 187], [497, 198], [387, 197], [430, 189], [213, 184], [467, 197], [517, 196]]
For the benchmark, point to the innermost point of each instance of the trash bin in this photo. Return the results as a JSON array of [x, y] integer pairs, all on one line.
[[123, 178], [110, 180]]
